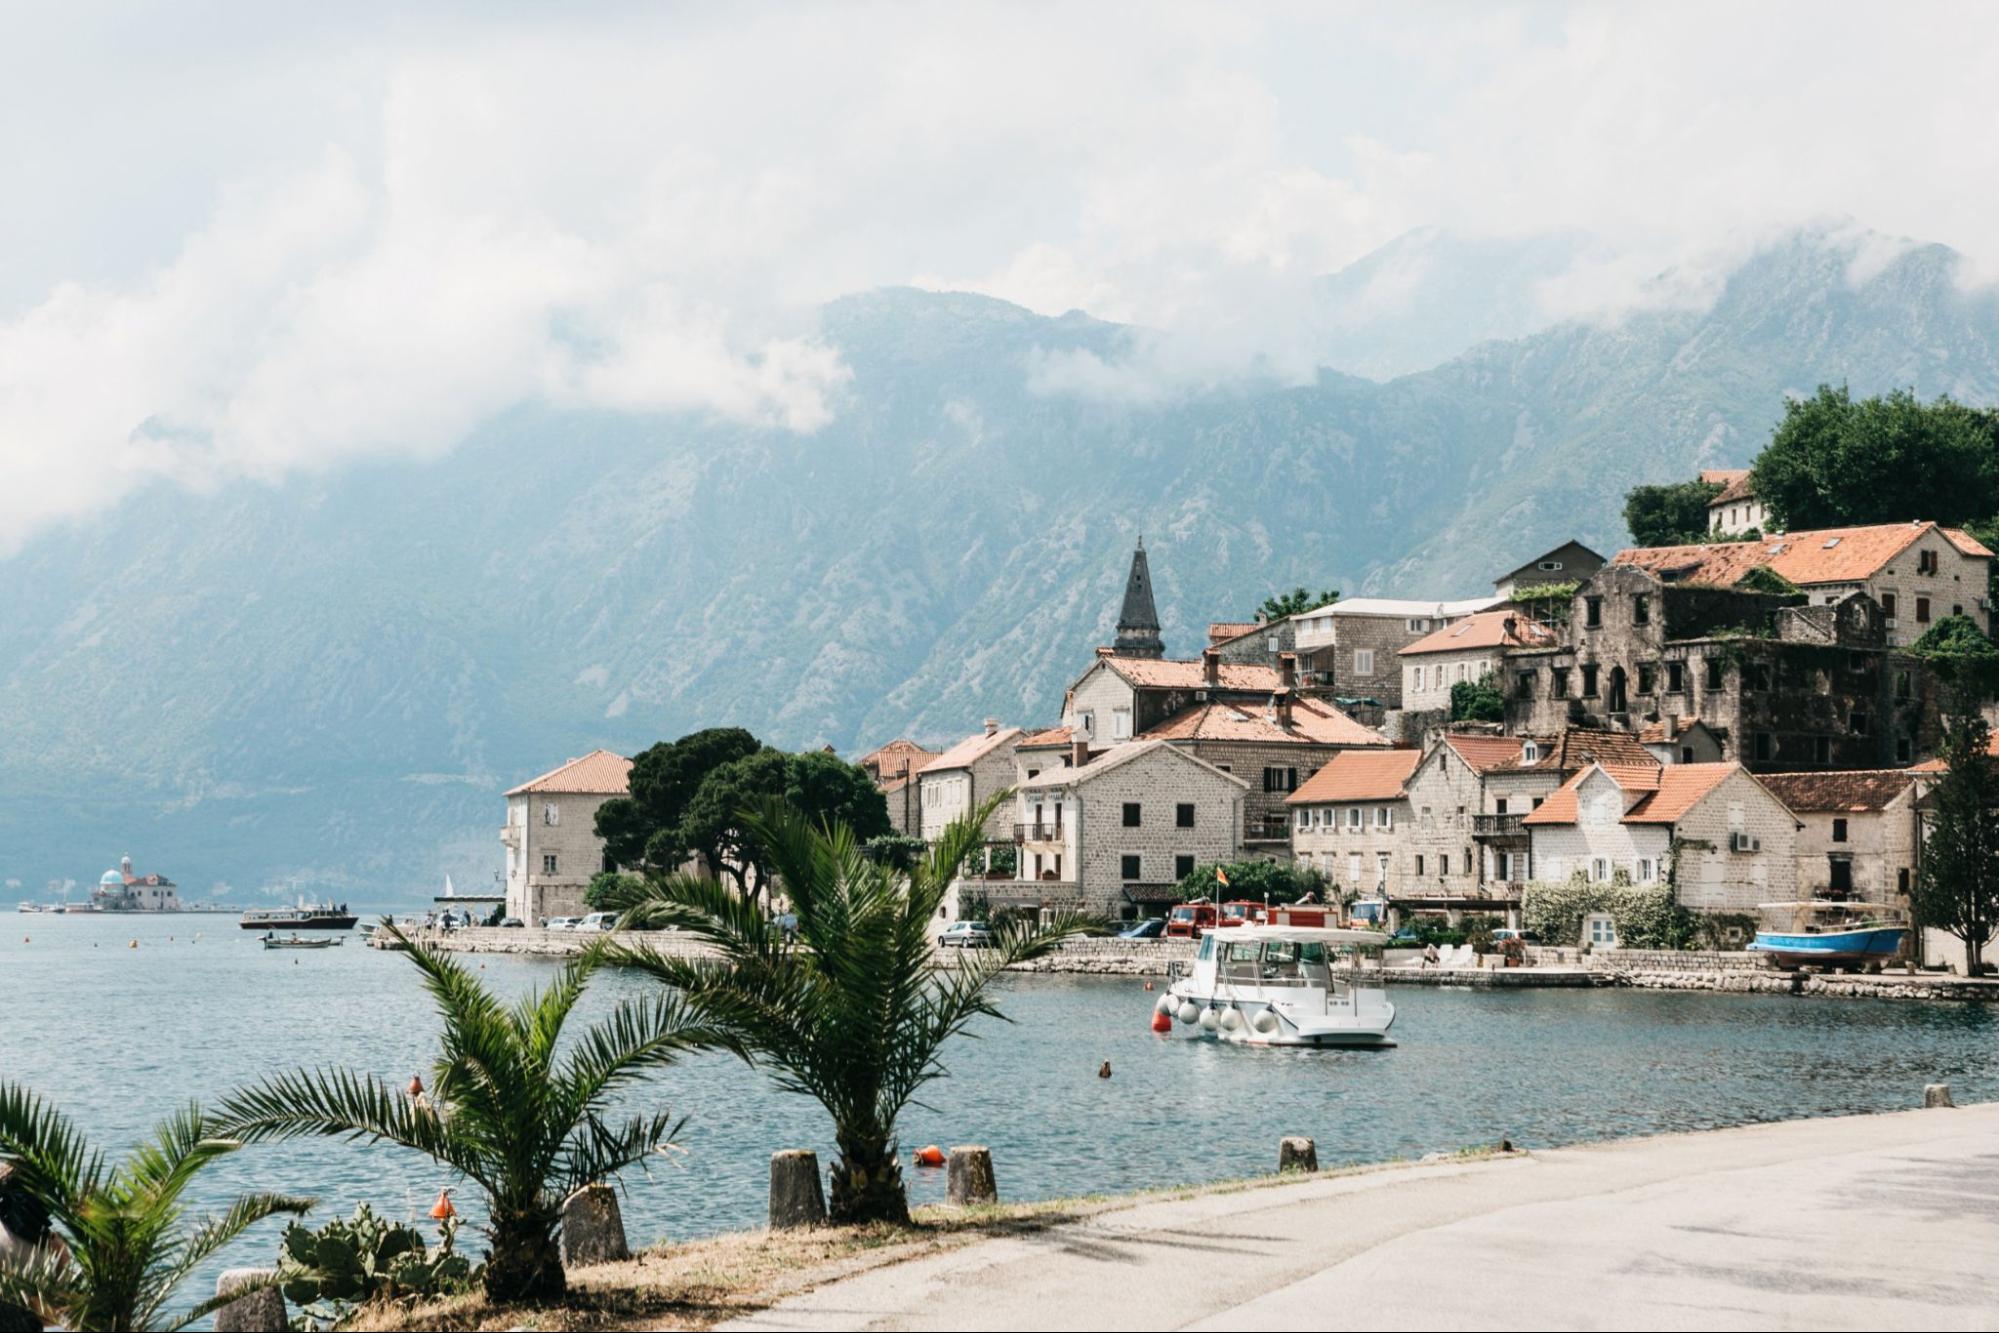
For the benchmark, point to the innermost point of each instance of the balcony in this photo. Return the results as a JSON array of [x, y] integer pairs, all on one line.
[[1498, 826], [1037, 833]]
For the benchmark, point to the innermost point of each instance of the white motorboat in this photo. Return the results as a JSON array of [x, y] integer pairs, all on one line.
[[1283, 986]]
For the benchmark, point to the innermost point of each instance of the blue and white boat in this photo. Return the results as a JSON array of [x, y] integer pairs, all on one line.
[[1824, 933]]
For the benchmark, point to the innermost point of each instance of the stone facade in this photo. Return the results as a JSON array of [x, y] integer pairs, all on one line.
[[550, 835], [1259, 646], [1115, 835], [1359, 845], [1352, 646], [970, 772], [1782, 686], [1859, 833]]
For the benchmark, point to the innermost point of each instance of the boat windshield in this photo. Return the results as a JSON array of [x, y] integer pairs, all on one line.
[[1207, 948], [1295, 963]]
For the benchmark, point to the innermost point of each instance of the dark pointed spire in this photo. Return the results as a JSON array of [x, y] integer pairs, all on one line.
[[1138, 622]]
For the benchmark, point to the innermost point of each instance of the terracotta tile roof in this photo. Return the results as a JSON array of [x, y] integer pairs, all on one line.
[[1118, 756], [898, 756], [599, 773], [896, 783], [1578, 747], [1169, 674], [1559, 808], [1823, 555], [1856, 790], [1734, 483], [1049, 738], [972, 749], [1487, 629], [1484, 753], [1221, 631], [1679, 788], [1359, 775], [1313, 722]]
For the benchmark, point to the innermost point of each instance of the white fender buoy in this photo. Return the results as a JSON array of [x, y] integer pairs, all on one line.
[[1208, 1020], [1231, 1020], [1265, 1022], [1189, 1012], [1165, 1005]]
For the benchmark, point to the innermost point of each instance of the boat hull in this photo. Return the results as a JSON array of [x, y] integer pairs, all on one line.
[[1244, 1020], [336, 921], [1830, 948]]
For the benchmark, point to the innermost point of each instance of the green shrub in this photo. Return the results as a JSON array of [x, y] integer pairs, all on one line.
[[326, 1273], [1477, 930], [1254, 881], [1647, 916]]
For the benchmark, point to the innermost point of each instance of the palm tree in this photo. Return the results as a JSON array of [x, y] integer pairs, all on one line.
[[115, 1247], [502, 1111], [853, 1007]]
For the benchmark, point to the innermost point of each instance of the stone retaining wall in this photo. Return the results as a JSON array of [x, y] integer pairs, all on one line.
[[1674, 960]]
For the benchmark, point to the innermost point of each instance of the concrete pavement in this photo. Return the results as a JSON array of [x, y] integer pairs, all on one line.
[[1864, 1222]]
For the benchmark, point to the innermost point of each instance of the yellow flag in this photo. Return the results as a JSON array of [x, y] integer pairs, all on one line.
[[1221, 877]]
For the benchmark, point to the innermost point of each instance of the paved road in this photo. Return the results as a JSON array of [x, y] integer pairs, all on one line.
[[1866, 1222]]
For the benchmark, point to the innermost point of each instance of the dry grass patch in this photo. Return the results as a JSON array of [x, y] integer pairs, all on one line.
[[706, 1282]]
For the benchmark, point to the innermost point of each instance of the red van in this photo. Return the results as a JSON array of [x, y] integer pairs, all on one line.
[[1189, 921]]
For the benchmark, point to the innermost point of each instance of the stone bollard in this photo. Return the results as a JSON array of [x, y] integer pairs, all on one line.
[[259, 1312], [969, 1176], [1937, 1094], [593, 1227], [796, 1198], [1297, 1153]]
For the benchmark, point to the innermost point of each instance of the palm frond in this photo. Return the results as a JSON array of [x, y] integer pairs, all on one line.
[[336, 1103], [49, 1159], [214, 1233], [598, 1151], [47, 1285]]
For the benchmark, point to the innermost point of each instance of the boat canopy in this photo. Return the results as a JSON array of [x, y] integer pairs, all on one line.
[[1308, 935]]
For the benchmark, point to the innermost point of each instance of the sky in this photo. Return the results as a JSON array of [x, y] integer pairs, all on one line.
[[258, 241]]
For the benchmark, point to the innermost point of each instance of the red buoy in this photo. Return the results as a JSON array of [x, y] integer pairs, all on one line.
[[1161, 1021], [930, 1156]]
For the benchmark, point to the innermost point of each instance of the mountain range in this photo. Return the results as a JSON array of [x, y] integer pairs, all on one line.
[[331, 679]]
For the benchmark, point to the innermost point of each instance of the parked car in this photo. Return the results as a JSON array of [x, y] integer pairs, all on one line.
[[512, 923], [559, 923], [1151, 928], [965, 935], [598, 921]]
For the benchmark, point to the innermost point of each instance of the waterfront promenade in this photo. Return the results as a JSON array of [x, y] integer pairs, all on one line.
[[1864, 1222]]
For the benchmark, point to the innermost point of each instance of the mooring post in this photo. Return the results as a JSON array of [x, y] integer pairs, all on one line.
[[796, 1198]]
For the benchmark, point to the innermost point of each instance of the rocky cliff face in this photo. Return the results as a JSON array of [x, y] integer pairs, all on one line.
[[334, 678]]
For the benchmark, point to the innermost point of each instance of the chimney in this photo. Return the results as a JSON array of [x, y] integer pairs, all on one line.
[[1079, 753], [1671, 724], [1106, 652], [1287, 670], [992, 726], [1280, 708], [1211, 666]]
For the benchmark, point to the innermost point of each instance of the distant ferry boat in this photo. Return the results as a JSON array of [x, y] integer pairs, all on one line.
[[302, 916]]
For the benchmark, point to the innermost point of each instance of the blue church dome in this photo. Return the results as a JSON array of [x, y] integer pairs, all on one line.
[[112, 880]]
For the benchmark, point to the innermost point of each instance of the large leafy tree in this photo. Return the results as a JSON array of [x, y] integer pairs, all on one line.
[[819, 786], [853, 1008], [113, 1244], [511, 1107], [1477, 701], [1957, 885], [1835, 461], [1669, 515], [1281, 605], [644, 827]]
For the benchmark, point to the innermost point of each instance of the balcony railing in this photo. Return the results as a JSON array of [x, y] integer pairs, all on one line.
[[1037, 833], [1497, 826]]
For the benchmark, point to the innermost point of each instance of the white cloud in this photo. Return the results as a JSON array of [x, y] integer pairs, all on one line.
[[299, 236]]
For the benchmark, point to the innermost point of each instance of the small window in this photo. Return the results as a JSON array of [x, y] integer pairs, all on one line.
[[1589, 682], [1183, 815], [550, 815], [1131, 814], [1558, 683], [1888, 605], [548, 863], [1648, 677], [1593, 612], [1922, 610], [1120, 724], [1530, 752], [1383, 817], [1641, 610], [1858, 721], [1130, 866], [1363, 661], [1713, 673], [1839, 830], [1523, 685], [1419, 865], [1765, 746], [1183, 866], [1353, 818], [1676, 677], [1599, 869], [1926, 562]]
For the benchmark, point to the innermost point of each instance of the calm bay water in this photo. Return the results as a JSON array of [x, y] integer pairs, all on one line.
[[118, 1035]]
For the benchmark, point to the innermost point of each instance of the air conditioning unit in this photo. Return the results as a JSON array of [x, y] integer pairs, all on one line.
[[1890, 621], [1744, 842]]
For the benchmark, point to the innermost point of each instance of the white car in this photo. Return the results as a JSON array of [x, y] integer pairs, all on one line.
[[598, 921], [559, 923], [965, 935]]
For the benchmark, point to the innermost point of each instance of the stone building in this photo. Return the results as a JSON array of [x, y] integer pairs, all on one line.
[[1348, 820], [1917, 573], [553, 849], [894, 768], [1247, 643], [1571, 562], [954, 784], [1464, 652], [1115, 834], [1351, 647], [1858, 832], [1736, 510], [1780, 685], [1735, 842]]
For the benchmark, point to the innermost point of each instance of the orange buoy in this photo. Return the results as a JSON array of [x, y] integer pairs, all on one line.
[[1148, 985], [416, 1085], [442, 1209], [1161, 1021], [930, 1156]]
